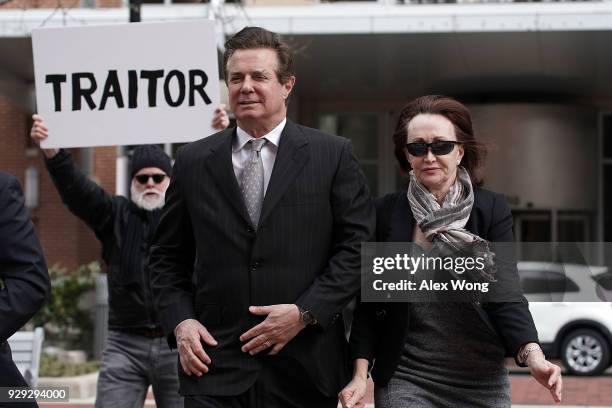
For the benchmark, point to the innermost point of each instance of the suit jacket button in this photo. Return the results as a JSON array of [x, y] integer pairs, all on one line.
[[250, 230], [381, 313]]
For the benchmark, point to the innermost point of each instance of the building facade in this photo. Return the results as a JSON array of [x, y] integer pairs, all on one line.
[[537, 77]]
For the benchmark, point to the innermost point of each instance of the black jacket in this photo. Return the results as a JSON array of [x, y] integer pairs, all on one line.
[[306, 250], [22, 270], [124, 231], [379, 329]]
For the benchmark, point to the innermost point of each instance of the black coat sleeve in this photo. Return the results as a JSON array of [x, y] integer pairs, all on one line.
[[512, 320], [363, 329], [354, 223], [172, 258], [22, 265], [83, 197]]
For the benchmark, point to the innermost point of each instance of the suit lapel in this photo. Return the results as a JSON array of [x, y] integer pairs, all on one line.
[[290, 159], [220, 167]]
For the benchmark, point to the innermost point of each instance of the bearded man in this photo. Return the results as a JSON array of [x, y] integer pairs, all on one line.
[[135, 354]]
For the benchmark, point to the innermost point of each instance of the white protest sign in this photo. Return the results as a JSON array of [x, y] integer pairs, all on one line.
[[126, 84]]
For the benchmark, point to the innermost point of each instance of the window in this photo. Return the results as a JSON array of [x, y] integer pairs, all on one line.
[[574, 226], [546, 282], [552, 225], [607, 136], [607, 202], [362, 129], [604, 280], [533, 226], [606, 163]]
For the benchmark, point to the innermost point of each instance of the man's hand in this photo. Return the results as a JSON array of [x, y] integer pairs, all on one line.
[[546, 373], [282, 324], [189, 335], [221, 120], [39, 133]]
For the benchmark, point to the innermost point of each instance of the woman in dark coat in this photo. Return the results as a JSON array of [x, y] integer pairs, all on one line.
[[443, 354]]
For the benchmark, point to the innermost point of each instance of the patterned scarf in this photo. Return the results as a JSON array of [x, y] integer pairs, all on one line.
[[446, 223]]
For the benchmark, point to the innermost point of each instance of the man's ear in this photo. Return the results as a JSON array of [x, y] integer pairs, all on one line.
[[288, 86]]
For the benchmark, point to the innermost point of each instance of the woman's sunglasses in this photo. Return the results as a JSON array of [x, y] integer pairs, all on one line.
[[157, 178], [439, 147]]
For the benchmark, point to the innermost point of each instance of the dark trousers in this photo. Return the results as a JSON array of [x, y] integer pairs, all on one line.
[[282, 383], [11, 377]]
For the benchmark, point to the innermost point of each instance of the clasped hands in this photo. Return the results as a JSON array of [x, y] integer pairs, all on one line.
[[282, 323]]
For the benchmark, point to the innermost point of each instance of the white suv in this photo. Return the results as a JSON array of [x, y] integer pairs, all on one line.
[[576, 331]]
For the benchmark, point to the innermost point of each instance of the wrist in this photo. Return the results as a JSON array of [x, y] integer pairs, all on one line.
[[50, 153], [529, 352], [535, 356], [306, 318], [360, 369], [298, 316], [179, 325]]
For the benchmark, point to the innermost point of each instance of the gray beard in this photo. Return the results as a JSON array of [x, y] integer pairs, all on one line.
[[147, 203]]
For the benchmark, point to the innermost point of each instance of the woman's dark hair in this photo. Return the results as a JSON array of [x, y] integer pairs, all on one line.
[[458, 115], [257, 37]]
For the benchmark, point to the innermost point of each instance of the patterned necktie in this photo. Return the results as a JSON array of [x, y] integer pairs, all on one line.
[[252, 181]]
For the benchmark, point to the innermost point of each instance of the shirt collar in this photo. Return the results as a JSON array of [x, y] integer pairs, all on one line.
[[242, 137]]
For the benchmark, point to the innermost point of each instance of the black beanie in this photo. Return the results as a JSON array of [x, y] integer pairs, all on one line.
[[149, 156]]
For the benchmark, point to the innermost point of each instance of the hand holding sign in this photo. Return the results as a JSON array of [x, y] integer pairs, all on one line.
[[39, 133], [221, 120]]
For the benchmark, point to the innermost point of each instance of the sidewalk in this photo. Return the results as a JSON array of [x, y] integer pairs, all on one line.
[[578, 392]]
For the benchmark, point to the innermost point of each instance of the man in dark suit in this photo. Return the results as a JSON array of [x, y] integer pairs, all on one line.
[[23, 272], [258, 247]]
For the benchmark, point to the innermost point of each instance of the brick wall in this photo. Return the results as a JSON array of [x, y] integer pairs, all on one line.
[[13, 122], [26, 4], [109, 3], [66, 4], [65, 239]]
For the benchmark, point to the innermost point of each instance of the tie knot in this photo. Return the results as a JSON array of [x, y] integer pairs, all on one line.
[[257, 144]]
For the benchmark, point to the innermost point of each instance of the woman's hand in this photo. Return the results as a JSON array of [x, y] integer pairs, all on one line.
[[546, 373], [352, 395]]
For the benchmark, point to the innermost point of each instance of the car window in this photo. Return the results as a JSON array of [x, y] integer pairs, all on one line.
[[604, 280], [539, 281]]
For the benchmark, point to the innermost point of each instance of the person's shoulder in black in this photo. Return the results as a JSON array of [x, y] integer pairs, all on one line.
[[22, 266], [23, 273]]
